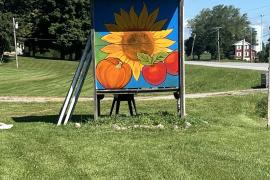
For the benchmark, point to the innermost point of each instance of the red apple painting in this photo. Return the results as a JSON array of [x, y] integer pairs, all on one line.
[[172, 63], [155, 74]]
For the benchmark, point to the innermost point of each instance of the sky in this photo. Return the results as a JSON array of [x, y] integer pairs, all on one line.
[[253, 8]]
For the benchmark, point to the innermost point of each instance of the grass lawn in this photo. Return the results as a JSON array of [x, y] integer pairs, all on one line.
[[227, 140], [39, 77]]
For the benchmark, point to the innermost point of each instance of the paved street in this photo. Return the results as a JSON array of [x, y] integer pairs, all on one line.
[[238, 65]]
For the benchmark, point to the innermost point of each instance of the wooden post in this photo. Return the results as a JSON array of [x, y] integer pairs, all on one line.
[[182, 100], [96, 110]]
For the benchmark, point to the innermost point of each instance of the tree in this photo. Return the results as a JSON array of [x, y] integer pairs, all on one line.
[[62, 25], [232, 25], [266, 56], [10, 9], [5, 33]]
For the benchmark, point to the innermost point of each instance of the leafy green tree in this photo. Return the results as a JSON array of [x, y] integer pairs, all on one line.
[[266, 55], [9, 9], [5, 33], [233, 27], [62, 25]]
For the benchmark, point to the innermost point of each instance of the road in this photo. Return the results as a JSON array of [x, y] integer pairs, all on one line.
[[237, 65]]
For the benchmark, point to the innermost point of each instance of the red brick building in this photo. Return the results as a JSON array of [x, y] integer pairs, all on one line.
[[249, 51]]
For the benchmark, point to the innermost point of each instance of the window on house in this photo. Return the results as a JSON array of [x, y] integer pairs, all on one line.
[[247, 53], [238, 54], [239, 47]]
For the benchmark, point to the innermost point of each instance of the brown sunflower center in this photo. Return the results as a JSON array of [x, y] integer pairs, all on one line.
[[137, 42]]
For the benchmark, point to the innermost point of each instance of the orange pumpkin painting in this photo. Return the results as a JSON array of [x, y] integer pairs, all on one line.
[[112, 73]]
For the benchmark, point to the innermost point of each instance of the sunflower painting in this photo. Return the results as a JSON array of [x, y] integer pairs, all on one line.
[[136, 44]]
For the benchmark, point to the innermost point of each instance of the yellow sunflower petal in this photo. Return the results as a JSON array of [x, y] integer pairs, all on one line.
[[130, 63], [118, 33], [111, 48], [120, 21], [116, 54], [133, 17], [152, 18], [161, 34], [164, 42], [143, 17], [112, 27], [126, 18], [158, 25], [141, 66], [136, 69], [124, 58], [112, 38], [161, 49]]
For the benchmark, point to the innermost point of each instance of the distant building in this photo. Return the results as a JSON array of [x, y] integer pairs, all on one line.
[[20, 48], [249, 54]]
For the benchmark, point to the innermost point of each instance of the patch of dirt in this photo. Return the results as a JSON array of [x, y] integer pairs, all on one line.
[[28, 99]]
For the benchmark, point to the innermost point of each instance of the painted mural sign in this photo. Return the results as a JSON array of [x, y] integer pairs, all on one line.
[[136, 44]]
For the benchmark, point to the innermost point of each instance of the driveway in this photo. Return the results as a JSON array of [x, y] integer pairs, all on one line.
[[237, 65]]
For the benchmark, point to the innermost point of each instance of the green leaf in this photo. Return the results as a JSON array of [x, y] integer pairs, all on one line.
[[144, 58], [159, 57]]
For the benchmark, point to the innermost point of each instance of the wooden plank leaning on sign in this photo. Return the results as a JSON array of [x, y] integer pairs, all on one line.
[[76, 85]]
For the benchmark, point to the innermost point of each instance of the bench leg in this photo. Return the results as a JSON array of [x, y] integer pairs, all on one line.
[[112, 107], [118, 106], [130, 107], [134, 104]]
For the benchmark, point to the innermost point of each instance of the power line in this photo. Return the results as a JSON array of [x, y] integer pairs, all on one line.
[[48, 39], [259, 16]]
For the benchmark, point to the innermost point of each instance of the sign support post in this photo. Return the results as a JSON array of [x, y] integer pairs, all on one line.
[[182, 63]]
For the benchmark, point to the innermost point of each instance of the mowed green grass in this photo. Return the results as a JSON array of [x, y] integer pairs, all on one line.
[[39, 77], [226, 141]]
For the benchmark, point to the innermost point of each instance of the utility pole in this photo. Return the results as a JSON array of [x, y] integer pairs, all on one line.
[[15, 26], [193, 43], [251, 46], [244, 46], [218, 41], [261, 41]]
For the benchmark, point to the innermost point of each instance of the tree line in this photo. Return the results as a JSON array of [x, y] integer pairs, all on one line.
[[63, 25], [60, 25], [233, 27]]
